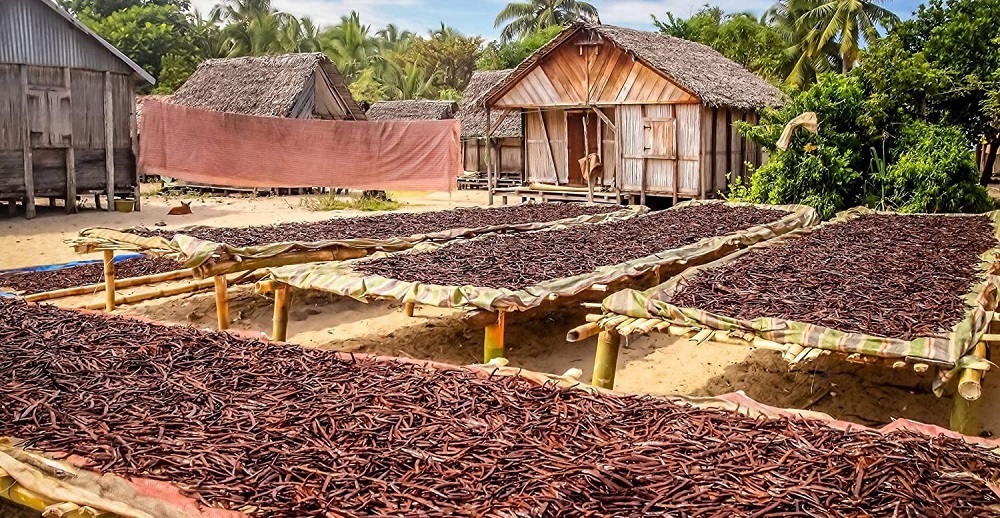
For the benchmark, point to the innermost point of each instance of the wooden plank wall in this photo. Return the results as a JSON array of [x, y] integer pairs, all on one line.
[[86, 122], [724, 150], [574, 75], [660, 173]]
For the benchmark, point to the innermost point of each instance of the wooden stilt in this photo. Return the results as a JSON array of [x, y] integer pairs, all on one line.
[[279, 329], [408, 308], [222, 302], [109, 280], [965, 415], [606, 360], [493, 347]]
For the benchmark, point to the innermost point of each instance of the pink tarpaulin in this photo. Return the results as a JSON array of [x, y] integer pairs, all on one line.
[[226, 149]]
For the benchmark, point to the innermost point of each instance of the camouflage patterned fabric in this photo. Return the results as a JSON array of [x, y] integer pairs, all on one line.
[[948, 353], [343, 279]]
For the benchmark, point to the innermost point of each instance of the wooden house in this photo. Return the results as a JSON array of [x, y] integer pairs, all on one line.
[[67, 103], [412, 110], [505, 140], [298, 86], [657, 110]]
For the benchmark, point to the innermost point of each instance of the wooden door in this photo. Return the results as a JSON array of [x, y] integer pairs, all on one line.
[[578, 146]]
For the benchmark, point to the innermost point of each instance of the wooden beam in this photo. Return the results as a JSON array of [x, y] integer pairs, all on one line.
[[489, 159], [606, 359], [279, 325], [70, 154], [221, 301], [502, 117], [134, 138], [548, 145], [605, 119], [109, 141], [109, 280], [29, 173]]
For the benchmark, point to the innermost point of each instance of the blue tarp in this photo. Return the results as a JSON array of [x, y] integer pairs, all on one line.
[[53, 267]]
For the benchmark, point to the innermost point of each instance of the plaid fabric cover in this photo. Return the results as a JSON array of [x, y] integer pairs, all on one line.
[[196, 252], [945, 352], [343, 279]]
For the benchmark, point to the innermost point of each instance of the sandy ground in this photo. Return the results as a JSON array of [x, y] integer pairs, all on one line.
[[536, 341]]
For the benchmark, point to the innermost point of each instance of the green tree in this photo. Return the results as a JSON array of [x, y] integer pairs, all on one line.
[[500, 56], [147, 33], [739, 36], [104, 8], [447, 56], [850, 23], [366, 89], [805, 58], [520, 19], [960, 36], [413, 83], [351, 46]]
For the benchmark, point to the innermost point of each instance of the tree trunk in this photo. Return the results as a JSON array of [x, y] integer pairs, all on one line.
[[986, 175]]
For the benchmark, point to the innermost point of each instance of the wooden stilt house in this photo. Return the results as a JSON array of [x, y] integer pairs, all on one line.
[[67, 107], [657, 110], [505, 139]]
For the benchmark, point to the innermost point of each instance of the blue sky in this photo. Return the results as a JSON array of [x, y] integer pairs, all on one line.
[[476, 17]]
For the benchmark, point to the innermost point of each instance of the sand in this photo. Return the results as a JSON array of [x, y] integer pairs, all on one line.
[[653, 364]]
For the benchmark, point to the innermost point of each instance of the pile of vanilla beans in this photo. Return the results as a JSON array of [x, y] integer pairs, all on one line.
[[279, 431]]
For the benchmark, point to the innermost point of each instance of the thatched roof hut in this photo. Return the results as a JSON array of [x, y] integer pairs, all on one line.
[[659, 112], [414, 110], [289, 85], [472, 113]]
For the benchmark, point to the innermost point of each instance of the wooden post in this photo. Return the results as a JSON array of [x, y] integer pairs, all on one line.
[[70, 154], [109, 280], [493, 346], [489, 158], [109, 141], [606, 359], [279, 329], [134, 136], [222, 302], [29, 174], [967, 402], [408, 308]]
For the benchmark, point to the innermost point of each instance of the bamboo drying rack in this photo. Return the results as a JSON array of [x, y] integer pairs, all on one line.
[[611, 327]]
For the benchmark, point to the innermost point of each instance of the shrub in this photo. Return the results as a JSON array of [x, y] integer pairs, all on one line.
[[933, 170]]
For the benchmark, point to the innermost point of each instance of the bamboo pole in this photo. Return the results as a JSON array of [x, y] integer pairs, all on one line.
[[965, 415], [493, 346], [969, 381], [408, 308], [188, 287], [279, 329], [221, 301], [119, 283], [606, 359], [109, 280], [313, 256], [265, 286], [583, 332]]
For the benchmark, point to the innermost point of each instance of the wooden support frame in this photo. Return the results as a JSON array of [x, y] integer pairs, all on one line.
[[606, 359], [282, 302], [493, 344], [548, 145], [489, 159], [29, 173], [109, 280], [134, 139], [222, 301], [109, 141], [70, 153], [409, 308]]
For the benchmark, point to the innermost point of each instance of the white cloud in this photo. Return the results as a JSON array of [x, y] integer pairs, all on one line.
[[637, 12]]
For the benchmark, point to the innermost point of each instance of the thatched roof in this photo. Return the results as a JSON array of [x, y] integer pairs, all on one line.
[[715, 79], [260, 85], [472, 112], [416, 110]]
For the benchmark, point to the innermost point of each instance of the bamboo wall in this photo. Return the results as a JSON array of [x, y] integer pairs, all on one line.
[[509, 156], [63, 120]]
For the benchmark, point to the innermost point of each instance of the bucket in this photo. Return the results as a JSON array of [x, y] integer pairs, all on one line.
[[124, 205]]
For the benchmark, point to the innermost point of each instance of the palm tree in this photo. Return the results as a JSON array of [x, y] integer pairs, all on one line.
[[523, 18], [351, 46], [805, 59], [412, 82], [850, 22]]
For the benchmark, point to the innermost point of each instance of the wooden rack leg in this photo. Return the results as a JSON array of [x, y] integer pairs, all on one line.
[[606, 360], [493, 347], [279, 330], [408, 308], [222, 302], [965, 408], [109, 280]]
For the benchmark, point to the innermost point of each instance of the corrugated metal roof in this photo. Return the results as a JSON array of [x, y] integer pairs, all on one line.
[[39, 32]]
